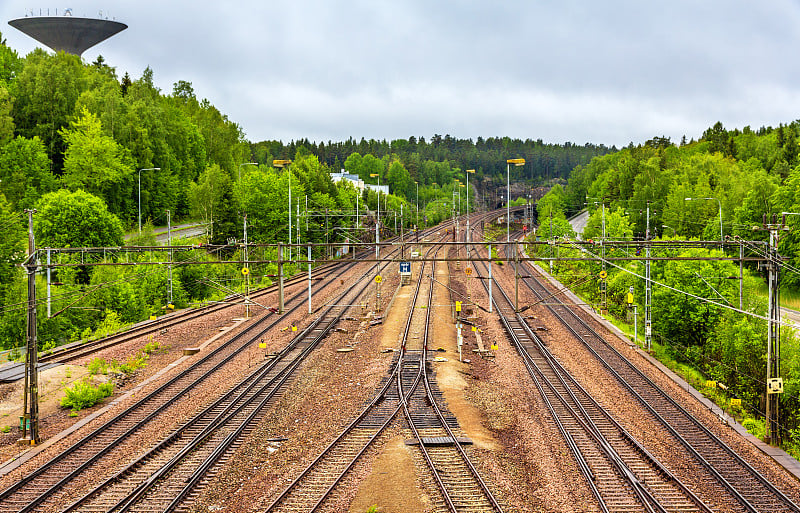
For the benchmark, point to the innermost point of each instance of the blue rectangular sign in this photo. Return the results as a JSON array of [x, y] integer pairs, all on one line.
[[405, 267]]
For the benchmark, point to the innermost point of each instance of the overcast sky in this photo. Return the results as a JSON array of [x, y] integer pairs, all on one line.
[[609, 72]]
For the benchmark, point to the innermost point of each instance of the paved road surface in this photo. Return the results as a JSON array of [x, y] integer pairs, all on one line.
[[579, 221], [179, 230]]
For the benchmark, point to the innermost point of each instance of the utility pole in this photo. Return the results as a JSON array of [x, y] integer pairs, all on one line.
[[246, 272], [774, 380], [169, 267], [490, 278], [49, 307], [551, 241], [648, 288], [603, 282], [280, 278], [30, 416]]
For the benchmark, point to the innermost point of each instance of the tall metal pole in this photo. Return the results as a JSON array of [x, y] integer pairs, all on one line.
[[648, 289], [290, 213], [247, 274], [280, 277], [508, 201], [309, 277], [774, 382], [468, 233], [516, 277], [30, 421], [297, 230], [169, 266], [490, 278], [604, 283], [49, 312]]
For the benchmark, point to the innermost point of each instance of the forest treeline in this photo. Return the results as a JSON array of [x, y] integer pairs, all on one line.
[[544, 161], [741, 175]]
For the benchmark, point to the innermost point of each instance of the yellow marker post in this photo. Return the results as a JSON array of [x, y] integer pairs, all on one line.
[[494, 347], [294, 328], [458, 306], [711, 384], [262, 345], [736, 402]]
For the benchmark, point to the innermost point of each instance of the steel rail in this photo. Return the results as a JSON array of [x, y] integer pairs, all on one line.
[[576, 409], [646, 381], [233, 347], [395, 373], [431, 400], [582, 417], [236, 399]]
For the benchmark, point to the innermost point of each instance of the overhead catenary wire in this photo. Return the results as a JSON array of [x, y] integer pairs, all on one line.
[[675, 289]]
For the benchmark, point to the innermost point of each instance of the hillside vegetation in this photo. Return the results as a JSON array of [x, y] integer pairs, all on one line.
[[741, 175]]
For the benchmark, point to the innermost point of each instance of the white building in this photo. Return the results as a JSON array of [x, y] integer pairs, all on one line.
[[357, 182]]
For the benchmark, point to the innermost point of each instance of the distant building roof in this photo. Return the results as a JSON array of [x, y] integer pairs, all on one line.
[[68, 33]]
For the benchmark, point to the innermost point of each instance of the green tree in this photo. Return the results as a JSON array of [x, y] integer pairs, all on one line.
[[264, 196], [6, 120], [25, 172], [94, 161], [207, 192], [75, 219], [13, 244], [10, 63], [399, 179], [681, 317], [617, 225], [45, 93]]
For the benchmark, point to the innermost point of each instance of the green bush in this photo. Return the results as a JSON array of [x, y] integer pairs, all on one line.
[[84, 394], [98, 366], [132, 364], [756, 427], [151, 347]]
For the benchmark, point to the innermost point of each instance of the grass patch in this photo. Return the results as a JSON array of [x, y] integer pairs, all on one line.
[[789, 298], [98, 366], [84, 394]]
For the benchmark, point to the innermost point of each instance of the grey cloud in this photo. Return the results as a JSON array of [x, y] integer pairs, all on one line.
[[604, 72]]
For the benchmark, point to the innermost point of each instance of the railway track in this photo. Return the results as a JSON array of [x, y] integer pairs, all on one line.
[[168, 476], [47, 485], [621, 473], [737, 484], [407, 388], [44, 483]]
